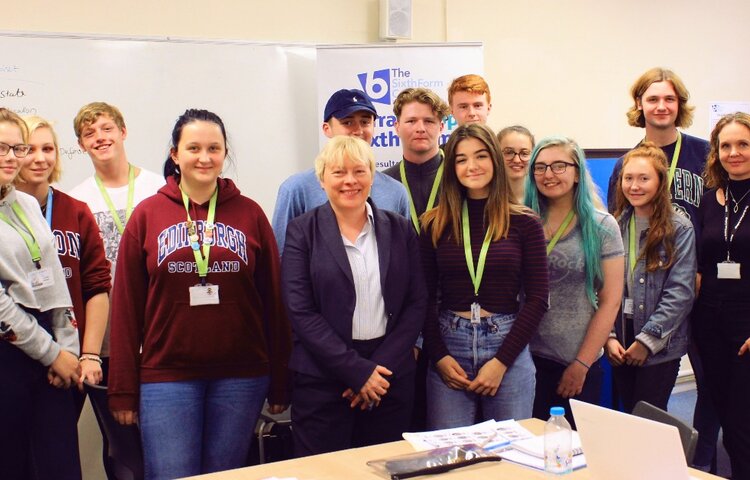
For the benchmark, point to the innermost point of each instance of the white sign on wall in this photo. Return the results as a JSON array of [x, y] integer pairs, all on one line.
[[383, 71], [716, 110]]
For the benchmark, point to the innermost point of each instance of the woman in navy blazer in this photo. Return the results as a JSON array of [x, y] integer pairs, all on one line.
[[354, 326]]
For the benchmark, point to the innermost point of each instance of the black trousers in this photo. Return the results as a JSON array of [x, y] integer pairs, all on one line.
[[322, 420], [705, 418], [652, 383], [720, 327], [38, 435], [548, 374], [79, 399], [419, 412]]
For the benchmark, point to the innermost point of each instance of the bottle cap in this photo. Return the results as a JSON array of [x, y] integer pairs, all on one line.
[[557, 411]]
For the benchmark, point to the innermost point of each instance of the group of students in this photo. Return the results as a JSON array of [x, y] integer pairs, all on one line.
[[479, 279]]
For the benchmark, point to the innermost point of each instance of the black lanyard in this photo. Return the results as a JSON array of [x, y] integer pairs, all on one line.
[[729, 236]]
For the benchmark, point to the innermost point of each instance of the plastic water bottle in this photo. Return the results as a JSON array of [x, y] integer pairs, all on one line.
[[558, 443]]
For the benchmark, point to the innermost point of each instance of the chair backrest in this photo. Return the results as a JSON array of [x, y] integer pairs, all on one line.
[[125, 453], [688, 435]]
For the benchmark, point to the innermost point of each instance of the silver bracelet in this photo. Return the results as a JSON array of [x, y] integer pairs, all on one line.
[[93, 358]]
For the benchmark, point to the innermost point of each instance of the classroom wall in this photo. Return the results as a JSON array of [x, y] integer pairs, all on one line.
[[567, 67], [558, 67]]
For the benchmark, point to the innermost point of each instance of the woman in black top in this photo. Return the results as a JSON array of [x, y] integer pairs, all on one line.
[[721, 318]]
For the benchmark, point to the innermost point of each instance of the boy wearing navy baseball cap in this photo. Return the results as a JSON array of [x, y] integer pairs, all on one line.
[[347, 112]]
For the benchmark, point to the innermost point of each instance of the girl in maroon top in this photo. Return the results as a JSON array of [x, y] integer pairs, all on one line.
[[79, 245], [200, 336], [480, 250]]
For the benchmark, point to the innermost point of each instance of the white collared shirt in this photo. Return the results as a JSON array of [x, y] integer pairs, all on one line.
[[369, 319]]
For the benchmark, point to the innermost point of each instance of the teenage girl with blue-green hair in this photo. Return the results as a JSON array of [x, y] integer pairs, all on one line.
[[586, 265]]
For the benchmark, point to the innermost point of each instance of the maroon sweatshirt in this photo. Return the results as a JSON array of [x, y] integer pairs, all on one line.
[[246, 335], [81, 251]]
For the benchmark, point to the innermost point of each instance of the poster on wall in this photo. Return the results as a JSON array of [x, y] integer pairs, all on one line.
[[383, 71], [716, 110]]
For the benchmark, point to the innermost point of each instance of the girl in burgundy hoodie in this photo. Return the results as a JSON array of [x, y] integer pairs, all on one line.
[[200, 337]]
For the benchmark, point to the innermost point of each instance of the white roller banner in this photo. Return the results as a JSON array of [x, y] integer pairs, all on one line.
[[382, 71]]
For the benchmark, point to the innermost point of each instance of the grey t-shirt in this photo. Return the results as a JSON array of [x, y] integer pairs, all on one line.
[[564, 326]]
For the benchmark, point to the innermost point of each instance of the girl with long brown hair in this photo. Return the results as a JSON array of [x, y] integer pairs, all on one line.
[[480, 249], [651, 332]]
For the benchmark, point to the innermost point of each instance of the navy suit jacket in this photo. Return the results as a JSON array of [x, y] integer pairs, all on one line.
[[319, 293]]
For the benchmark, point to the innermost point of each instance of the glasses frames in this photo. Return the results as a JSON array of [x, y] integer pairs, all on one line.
[[509, 154], [20, 150], [557, 168]]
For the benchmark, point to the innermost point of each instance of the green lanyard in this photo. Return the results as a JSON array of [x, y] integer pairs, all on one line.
[[476, 277], [29, 239], [201, 260], [559, 232], [675, 157], [108, 200], [632, 256], [433, 192]]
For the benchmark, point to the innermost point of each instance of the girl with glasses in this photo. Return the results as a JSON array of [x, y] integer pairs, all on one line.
[[480, 249], [650, 335], [516, 144], [585, 256], [38, 338]]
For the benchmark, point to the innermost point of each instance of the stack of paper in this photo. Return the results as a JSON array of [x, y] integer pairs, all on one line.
[[490, 434], [507, 439]]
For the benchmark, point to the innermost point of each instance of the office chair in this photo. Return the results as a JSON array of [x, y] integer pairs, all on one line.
[[688, 435], [125, 453], [276, 428]]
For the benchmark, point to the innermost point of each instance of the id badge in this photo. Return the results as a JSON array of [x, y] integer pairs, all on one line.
[[476, 313], [627, 307], [41, 278], [728, 270], [204, 295]]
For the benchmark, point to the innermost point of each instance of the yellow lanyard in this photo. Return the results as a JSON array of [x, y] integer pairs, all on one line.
[[433, 192], [201, 260], [476, 276], [559, 232], [28, 238], [675, 157], [632, 254], [111, 206]]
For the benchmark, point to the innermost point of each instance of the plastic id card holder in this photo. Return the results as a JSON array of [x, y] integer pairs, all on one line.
[[204, 295], [728, 271], [476, 313], [41, 278], [627, 306]]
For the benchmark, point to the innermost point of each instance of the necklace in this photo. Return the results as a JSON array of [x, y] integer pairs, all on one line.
[[736, 207]]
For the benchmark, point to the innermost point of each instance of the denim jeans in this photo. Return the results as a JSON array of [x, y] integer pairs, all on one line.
[[472, 346], [199, 426]]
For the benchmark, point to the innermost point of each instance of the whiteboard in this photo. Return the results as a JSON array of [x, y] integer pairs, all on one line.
[[265, 94]]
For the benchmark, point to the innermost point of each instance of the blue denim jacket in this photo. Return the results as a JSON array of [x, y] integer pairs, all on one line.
[[662, 299]]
